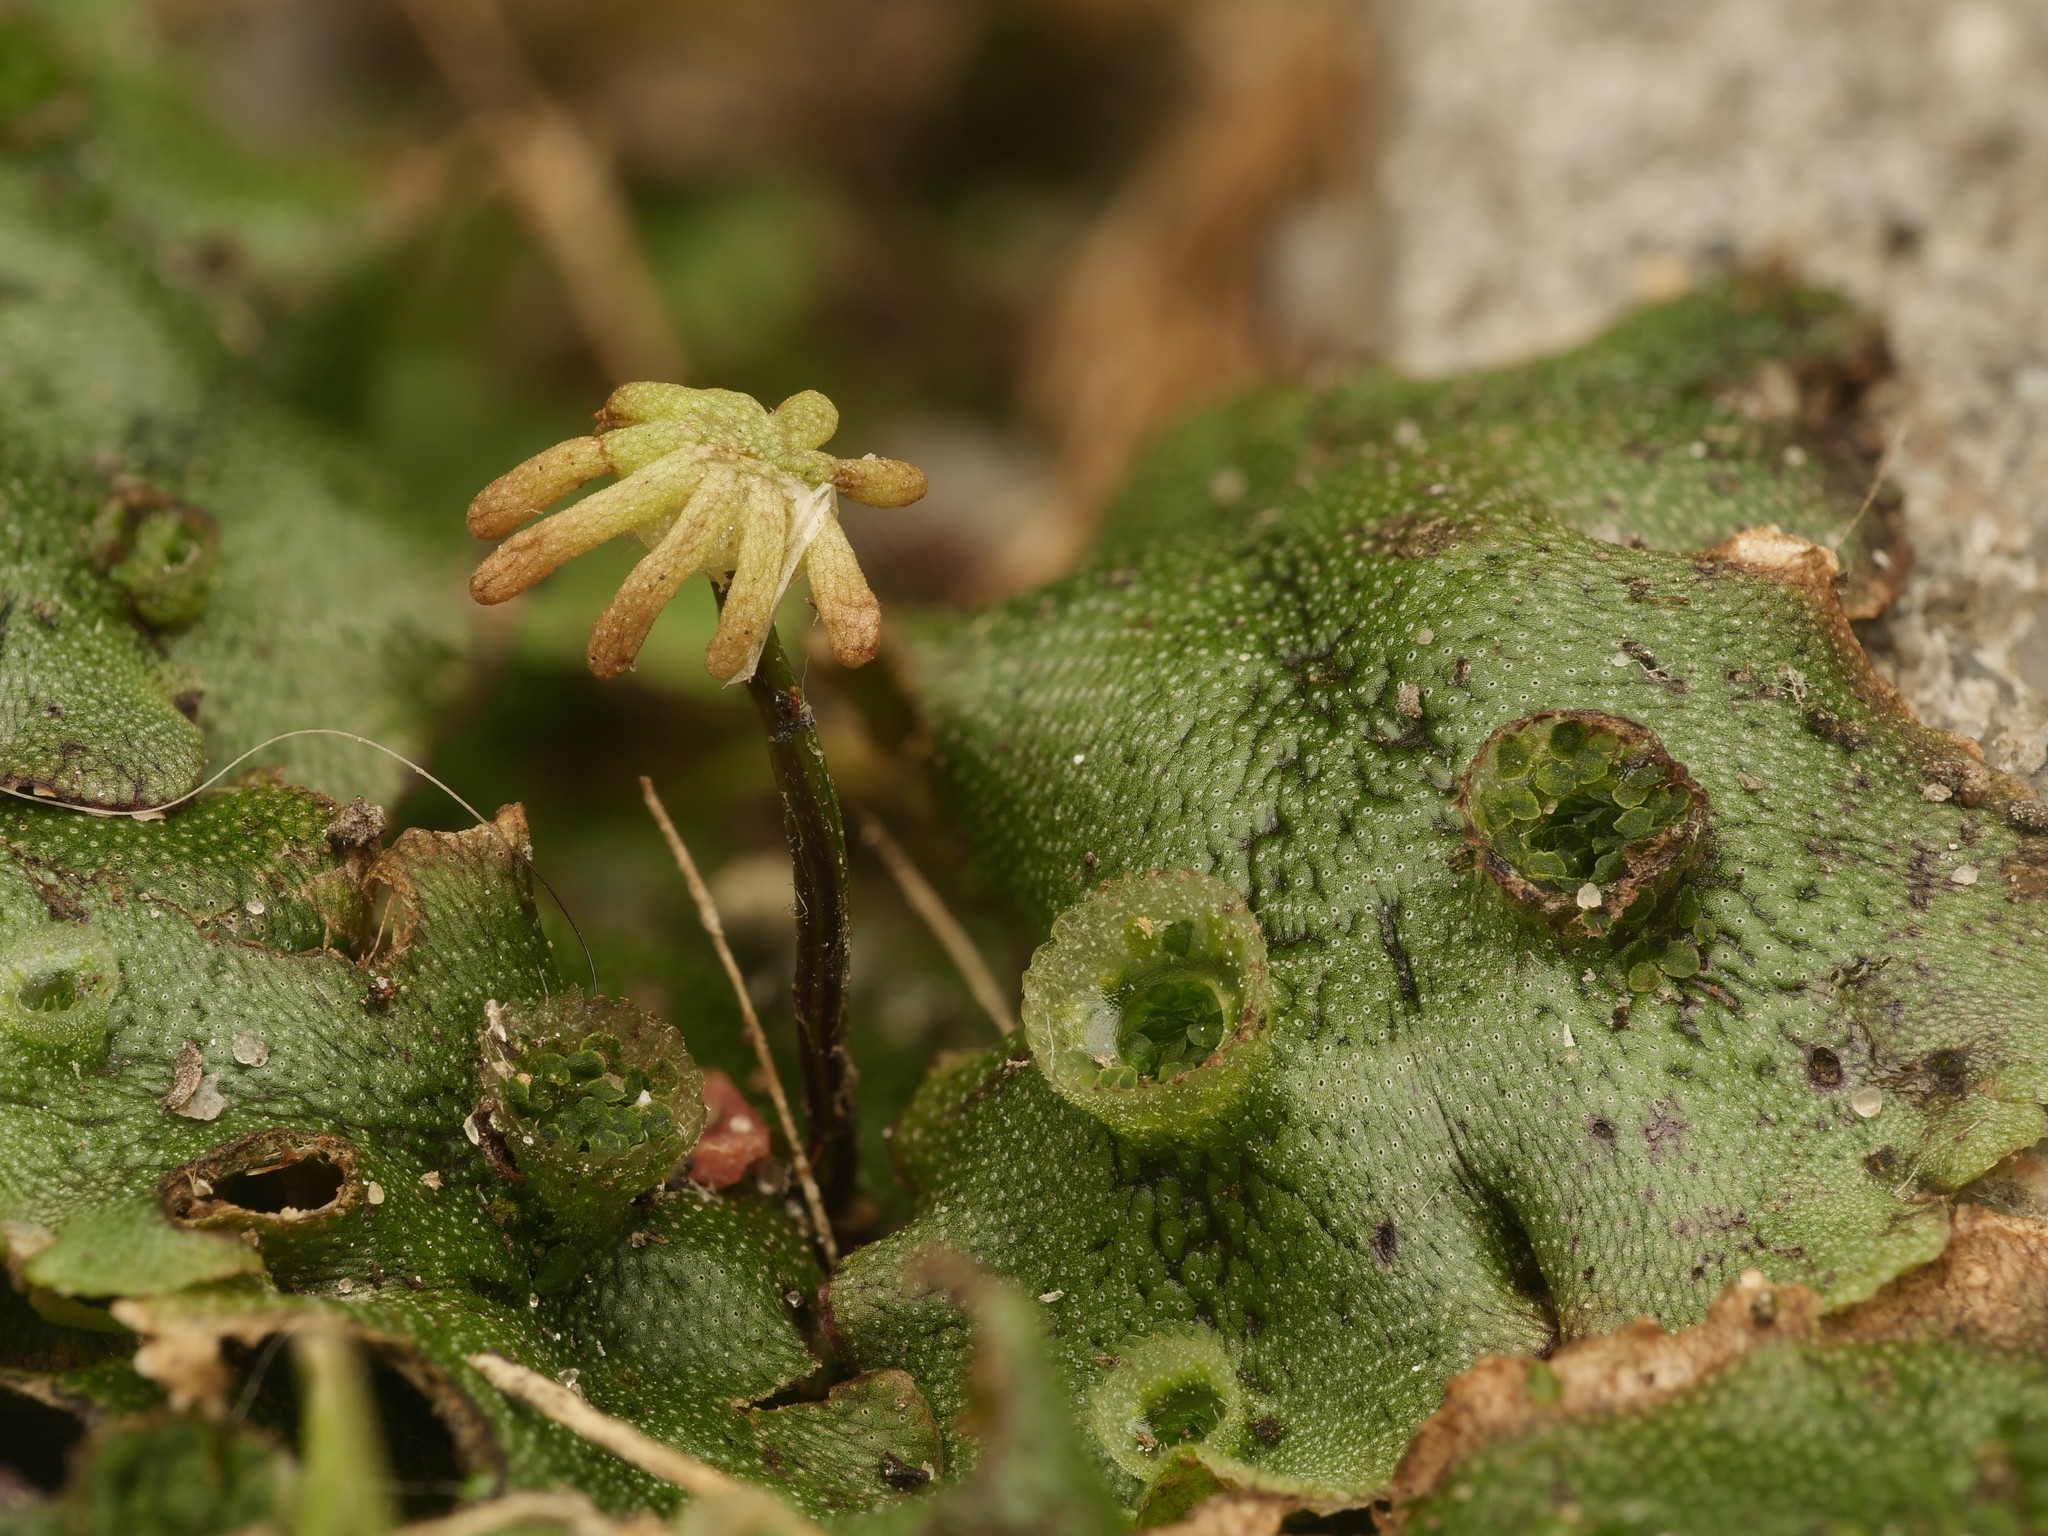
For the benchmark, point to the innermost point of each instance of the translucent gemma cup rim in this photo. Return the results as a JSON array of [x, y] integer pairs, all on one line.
[[78, 951], [1159, 1366], [1114, 940]]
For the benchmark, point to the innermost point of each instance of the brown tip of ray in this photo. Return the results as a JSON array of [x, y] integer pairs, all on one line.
[[620, 631], [535, 486], [846, 604]]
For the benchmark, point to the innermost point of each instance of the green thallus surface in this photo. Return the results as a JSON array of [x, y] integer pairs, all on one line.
[[1339, 651]]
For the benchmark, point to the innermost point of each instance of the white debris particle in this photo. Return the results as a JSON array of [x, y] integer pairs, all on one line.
[[1867, 1101], [206, 1102], [431, 1178], [1050, 1295], [1618, 659], [254, 906], [1936, 792], [374, 1193], [1963, 874], [644, 1100], [251, 1049], [1571, 1041], [1080, 758], [476, 1137], [345, 1285], [1589, 897], [1748, 781], [740, 1124]]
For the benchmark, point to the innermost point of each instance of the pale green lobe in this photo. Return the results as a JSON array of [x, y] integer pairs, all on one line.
[[119, 685], [1478, 1134], [127, 1248], [807, 420]]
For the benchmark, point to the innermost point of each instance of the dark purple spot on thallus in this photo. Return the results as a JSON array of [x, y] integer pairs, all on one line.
[[1664, 1129], [1385, 1243]]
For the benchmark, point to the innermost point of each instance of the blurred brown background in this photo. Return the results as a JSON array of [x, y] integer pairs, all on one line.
[[1015, 236], [1012, 236]]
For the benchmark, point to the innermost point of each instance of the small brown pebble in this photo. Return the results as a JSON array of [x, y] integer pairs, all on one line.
[[2027, 815], [358, 825]]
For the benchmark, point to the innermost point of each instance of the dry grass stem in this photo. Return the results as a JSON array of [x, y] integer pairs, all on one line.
[[561, 184], [707, 914], [601, 1429], [931, 906], [1894, 445]]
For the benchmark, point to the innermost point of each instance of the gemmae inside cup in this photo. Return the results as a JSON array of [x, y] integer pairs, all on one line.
[[1149, 1005]]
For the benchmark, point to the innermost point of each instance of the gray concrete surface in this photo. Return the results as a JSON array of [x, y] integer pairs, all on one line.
[[1548, 163]]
